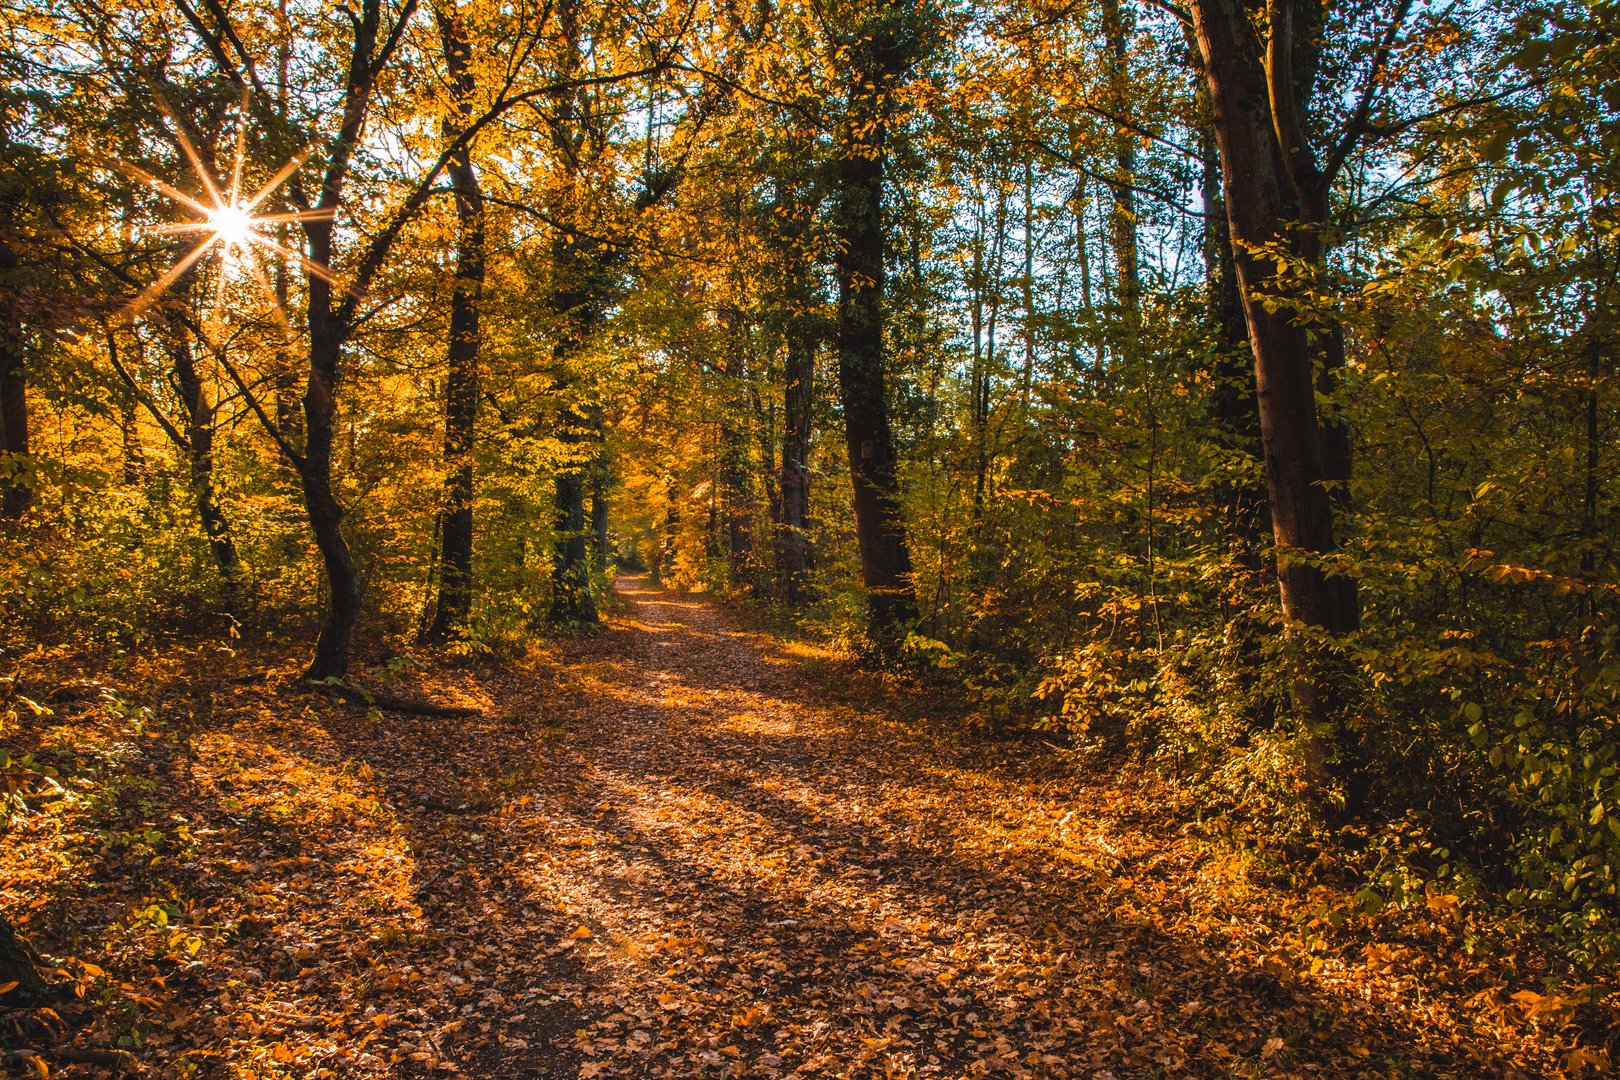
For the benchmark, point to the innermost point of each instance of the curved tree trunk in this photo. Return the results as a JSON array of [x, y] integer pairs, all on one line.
[[331, 659]]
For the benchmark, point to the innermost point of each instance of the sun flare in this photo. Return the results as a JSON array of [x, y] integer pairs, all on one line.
[[232, 226], [230, 220]]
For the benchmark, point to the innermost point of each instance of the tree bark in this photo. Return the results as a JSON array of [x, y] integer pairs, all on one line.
[[572, 603], [669, 541], [16, 488], [1233, 402], [331, 322], [1123, 229], [1027, 286], [199, 447], [18, 964], [578, 299], [327, 334], [1275, 196], [793, 532], [879, 523], [577, 302], [987, 283], [600, 519], [737, 498], [453, 606]]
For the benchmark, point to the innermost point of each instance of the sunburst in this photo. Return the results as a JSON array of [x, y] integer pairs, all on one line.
[[229, 223]]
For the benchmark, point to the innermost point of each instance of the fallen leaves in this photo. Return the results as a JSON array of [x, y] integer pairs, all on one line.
[[703, 867]]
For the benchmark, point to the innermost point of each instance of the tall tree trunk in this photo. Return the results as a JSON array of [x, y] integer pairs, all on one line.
[[600, 520], [453, 605], [1124, 232], [330, 323], [576, 301], [129, 438], [669, 541], [327, 334], [736, 473], [129, 404], [288, 416], [1273, 194], [793, 533], [578, 298], [572, 603], [977, 373], [16, 486], [988, 273], [1027, 285], [1234, 403], [879, 525], [801, 331]]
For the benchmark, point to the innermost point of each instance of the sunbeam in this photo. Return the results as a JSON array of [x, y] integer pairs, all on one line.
[[227, 221]]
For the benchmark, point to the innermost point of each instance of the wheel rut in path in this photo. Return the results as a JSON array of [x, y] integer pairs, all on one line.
[[735, 870]]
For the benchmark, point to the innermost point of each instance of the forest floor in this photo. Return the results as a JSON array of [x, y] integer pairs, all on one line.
[[684, 847]]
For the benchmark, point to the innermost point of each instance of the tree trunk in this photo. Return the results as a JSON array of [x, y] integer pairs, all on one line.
[[129, 405], [129, 437], [331, 659], [18, 964], [737, 505], [577, 301], [1234, 404], [330, 325], [984, 367], [453, 606], [572, 603], [1124, 231], [16, 486], [1274, 195], [793, 534], [879, 524], [669, 542], [199, 431], [1027, 285], [600, 506]]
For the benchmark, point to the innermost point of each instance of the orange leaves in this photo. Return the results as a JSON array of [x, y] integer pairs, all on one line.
[[721, 868]]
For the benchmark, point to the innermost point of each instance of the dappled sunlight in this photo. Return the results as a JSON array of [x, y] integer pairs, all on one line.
[[774, 886], [748, 723], [656, 853]]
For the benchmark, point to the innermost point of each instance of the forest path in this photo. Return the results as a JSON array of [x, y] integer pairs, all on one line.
[[740, 875], [684, 848]]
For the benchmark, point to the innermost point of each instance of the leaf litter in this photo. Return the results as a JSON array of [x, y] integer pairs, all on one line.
[[673, 850]]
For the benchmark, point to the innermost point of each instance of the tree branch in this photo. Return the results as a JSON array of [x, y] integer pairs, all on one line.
[[1355, 128]]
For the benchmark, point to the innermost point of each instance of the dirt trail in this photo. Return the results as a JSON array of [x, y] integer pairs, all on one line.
[[678, 848], [749, 879]]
